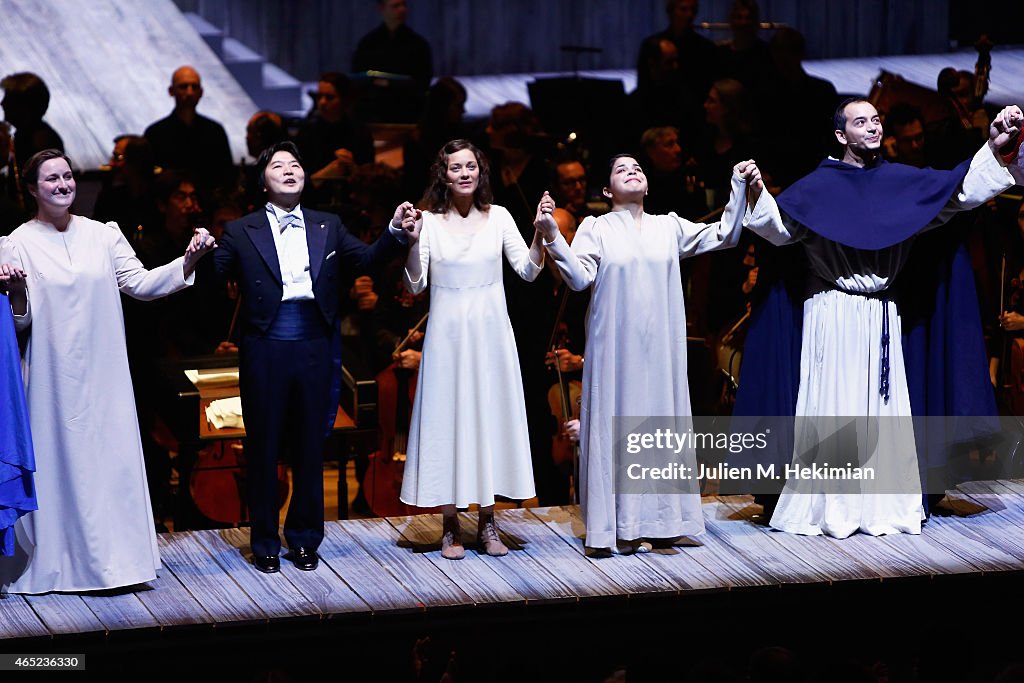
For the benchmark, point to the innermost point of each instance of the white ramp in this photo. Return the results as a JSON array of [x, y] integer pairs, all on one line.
[[108, 64]]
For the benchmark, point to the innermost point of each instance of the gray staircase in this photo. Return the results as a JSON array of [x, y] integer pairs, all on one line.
[[269, 86]]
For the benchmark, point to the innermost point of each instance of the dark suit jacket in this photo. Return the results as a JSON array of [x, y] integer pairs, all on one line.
[[246, 252]]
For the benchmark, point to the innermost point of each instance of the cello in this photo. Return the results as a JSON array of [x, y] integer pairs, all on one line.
[[217, 480], [396, 386]]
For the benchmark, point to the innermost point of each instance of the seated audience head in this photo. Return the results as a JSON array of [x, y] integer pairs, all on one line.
[[458, 168], [906, 125], [789, 49], [659, 63], [177, 198], [132, 155], [393, 12], [661, 145], [263, 129], [681, 14], [333, 96], [446, 102], [513, 126], [224, 212], [26, 98], [726, 107], [744, 20], [956, 85], [570, 184]]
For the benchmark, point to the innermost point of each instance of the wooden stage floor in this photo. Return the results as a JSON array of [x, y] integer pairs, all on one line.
[[380, 572]]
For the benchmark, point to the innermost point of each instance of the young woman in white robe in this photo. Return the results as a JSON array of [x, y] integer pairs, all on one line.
[[636, 344], [468, 438], [94, 528]]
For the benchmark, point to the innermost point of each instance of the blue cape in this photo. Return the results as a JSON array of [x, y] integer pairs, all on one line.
[[943, 347], [869, 208], [17, 461]]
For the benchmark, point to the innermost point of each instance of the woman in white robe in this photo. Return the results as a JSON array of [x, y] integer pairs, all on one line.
[[94, 527], [636, 344], [468, 438]]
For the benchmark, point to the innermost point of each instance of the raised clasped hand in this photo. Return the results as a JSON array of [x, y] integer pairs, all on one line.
[[545, 220], [1006, 125], [202, 242], [750, 173], [408, 218]]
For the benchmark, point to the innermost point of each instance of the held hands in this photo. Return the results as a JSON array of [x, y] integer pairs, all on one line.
[[1005, 127], [545, 220], [407, 217], [12, 279], [751, 174], [202, 243]]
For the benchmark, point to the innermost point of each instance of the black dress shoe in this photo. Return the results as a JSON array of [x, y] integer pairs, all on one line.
[[303, 558], [268, 564]]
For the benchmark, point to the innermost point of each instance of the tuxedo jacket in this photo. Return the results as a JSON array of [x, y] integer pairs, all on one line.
[[246, 252]]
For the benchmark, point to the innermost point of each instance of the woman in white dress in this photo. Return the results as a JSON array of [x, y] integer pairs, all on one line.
[[636, 344], [468, 439], [94, 526]]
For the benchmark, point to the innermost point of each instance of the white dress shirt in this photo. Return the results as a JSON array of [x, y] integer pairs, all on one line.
[[292, 253]]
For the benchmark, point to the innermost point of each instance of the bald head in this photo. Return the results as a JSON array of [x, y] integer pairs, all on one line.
[[186, 89]]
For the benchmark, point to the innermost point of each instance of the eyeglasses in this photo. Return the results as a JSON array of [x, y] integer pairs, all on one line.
[[581, 180]]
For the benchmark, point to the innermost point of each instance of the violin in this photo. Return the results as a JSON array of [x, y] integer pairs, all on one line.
[[563, 396], [396, 387]]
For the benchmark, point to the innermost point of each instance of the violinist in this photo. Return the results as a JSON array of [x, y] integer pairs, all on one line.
[[552, 467], [1008, 342]]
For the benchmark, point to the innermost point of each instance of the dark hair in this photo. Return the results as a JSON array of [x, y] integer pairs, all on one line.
[[168, 182], [902, 114], [616, 157], [749, 5], [29, 90], [266, 128], [268, 154], [526, 127], [948, 79], [839, 118], [436, 197], [342, 84], [138, 153], [30, 172]]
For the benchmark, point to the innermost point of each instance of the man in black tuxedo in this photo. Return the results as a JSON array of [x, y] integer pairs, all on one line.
[[287, 261]]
